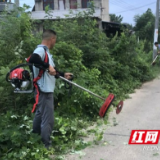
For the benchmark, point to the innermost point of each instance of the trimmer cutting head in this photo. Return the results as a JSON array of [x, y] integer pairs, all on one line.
[[119, 107], [106, 105]]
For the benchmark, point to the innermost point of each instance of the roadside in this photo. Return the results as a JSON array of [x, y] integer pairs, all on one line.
[[141, 111]]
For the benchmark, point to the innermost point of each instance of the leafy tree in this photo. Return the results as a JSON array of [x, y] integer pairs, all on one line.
[[144, 28], [114, 18]]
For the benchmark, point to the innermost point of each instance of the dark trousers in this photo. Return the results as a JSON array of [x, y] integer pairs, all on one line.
[[44, 117]]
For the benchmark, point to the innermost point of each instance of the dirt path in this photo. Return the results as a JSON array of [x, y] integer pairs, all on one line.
[[141, 111]]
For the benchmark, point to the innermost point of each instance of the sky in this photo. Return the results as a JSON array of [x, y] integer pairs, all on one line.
[[126, 8], [129, 8]]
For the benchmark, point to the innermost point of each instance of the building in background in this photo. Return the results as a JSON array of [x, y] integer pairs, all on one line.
[[6, 4], [62, 7], [105, 10]]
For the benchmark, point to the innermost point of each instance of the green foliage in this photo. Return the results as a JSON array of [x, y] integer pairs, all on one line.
[[144, 28], [100, 64], [145, 24], [114, 18], [17, 141]]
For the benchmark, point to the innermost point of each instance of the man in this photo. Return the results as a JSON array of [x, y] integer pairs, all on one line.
[[158, 48], [44, 120], [157, 45], [156, 53]]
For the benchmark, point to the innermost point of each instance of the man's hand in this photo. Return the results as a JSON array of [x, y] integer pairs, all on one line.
[[68, 75], [52, 71]]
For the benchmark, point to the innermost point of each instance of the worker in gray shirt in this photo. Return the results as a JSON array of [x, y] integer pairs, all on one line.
[[44, 112], [158, 48]]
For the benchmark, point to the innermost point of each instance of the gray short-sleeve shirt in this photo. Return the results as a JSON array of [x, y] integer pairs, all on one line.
[[158, 48], [47, 82]]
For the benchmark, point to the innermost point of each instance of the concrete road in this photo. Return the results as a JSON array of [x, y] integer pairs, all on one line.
[[141, 111]]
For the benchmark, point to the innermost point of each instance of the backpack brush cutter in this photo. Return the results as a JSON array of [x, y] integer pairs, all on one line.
[[21, 79]]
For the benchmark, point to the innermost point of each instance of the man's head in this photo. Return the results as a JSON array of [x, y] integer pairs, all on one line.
[[49, 38], [156, 44]]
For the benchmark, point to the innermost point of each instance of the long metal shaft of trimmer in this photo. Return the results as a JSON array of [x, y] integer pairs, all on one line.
[[81, 88]]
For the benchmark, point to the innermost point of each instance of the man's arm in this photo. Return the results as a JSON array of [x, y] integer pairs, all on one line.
[[36, 59]]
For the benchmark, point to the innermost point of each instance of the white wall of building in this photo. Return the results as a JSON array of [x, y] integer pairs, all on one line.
[[105, 10], [101, 9]]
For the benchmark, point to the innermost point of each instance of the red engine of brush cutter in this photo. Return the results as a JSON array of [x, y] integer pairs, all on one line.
[[19, 78]]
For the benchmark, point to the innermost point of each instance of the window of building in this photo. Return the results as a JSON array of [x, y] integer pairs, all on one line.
[[73, 4], [49, 3], [85, 3]]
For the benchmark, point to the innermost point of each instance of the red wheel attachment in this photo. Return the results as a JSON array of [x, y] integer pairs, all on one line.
[[106, 105], [119, 107]]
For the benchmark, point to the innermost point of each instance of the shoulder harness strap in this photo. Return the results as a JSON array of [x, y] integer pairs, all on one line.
[[41, 71]]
